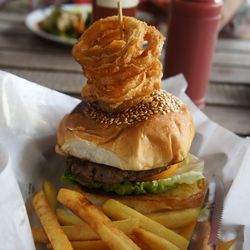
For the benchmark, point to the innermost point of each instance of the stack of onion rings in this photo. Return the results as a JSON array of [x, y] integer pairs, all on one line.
[[119, 72]]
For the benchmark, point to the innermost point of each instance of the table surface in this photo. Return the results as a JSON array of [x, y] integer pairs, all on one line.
[[52, 65]]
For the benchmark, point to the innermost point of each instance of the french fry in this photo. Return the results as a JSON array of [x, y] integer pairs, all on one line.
[[187, 231], [85, 232], [226, 245], [67, 219], [117, 210], [141, 244], [88, 245], [39, 235], [154, 241], [57, 237], [177, 218], [50, 193], [97, 220]]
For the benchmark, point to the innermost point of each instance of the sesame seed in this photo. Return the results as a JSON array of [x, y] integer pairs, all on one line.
[[159, 101]]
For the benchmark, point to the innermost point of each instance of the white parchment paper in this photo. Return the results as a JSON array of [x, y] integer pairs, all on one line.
[[29, 116]]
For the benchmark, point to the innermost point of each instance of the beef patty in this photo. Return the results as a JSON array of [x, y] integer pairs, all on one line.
[[90, 172]]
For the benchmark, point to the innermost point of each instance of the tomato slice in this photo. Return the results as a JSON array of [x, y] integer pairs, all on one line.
[[165, 174]]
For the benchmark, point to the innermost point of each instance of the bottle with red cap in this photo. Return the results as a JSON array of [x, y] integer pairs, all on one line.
[[191, 39]]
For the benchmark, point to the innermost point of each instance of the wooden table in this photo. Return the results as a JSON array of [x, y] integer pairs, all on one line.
[[51, 65]]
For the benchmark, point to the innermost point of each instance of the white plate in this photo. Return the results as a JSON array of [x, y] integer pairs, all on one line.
[[38, 15]]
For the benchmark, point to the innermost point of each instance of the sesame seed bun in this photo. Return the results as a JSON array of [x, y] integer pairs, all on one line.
[[154, 133], [182, 197]]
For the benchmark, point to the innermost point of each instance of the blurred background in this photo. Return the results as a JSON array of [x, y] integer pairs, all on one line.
[[235, 21], [45, 58]]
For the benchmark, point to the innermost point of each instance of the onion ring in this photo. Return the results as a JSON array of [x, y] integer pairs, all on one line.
[[119, 70]]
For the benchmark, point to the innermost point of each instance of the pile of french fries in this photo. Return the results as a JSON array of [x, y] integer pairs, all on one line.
[[81, 225]]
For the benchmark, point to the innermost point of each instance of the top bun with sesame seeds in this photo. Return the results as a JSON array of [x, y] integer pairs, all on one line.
[[155, 133]]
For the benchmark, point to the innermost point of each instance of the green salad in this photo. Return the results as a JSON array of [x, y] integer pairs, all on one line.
[[66, 23]]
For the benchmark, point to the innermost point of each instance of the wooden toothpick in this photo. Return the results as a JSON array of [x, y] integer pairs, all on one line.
[[119, 7]]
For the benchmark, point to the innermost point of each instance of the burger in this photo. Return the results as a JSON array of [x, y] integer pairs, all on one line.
[[134, 151], [146, 159]]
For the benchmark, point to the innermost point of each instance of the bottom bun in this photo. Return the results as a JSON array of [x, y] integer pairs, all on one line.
[[184, 196]]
